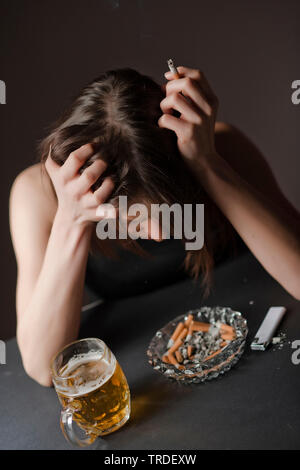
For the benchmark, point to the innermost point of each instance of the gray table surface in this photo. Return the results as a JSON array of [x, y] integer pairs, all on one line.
[[256, 405]]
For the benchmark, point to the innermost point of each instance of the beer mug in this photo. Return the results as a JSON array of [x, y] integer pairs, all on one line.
[[92, 390]]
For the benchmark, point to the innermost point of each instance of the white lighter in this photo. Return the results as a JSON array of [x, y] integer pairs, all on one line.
[[266, 330]]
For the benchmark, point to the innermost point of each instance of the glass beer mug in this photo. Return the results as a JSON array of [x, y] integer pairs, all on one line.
[[92, 390]]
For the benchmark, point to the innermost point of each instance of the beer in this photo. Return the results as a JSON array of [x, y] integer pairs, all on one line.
[[92, 386]]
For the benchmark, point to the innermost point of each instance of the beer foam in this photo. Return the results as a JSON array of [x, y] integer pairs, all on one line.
[[87, 378]]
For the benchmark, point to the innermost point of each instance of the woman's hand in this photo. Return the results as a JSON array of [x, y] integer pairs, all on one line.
[[195, 128], [76, 201]]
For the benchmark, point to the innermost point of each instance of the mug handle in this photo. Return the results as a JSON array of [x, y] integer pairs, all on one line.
[[66, 424]]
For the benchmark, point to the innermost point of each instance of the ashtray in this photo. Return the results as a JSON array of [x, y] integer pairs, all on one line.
[[205, 366]]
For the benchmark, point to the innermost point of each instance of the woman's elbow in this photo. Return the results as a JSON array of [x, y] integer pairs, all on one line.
[[34, 367], [296, 293], [41, 375], [293, 286]]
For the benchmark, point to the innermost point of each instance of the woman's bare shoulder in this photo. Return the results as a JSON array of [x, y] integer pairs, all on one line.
[[32, 187], [243, 156]]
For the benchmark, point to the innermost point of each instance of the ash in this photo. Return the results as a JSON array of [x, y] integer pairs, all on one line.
[[203, 344], [278, 341]]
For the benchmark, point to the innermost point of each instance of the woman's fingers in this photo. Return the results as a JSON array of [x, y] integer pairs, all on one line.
[[90, 175], [75, 161], [177, 102], [190, 88], [50, 165], [196, 75], [103, 192], [199, 79], [179, 126]]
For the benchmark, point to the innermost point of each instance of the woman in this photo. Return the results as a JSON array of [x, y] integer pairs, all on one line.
[[127, 135]]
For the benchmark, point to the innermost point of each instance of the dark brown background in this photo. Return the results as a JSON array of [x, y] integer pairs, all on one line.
[[249, 51]]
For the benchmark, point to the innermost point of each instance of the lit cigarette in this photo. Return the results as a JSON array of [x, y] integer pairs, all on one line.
[[173, 69]]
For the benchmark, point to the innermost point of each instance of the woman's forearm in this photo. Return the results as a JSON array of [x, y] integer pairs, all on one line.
[[270, 233], [52, 317]]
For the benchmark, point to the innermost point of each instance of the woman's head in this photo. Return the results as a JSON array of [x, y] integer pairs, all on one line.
[[118, 114]]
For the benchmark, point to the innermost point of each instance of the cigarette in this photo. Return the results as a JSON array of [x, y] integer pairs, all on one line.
[[175, 346], [173, 69], [177, 331], [189, 350], [182, 334], [226, 328], [178, 356], [188, 320], [166, 359], [200, 326], [190, 332], [212, 355], [174, 362], [228, 336]]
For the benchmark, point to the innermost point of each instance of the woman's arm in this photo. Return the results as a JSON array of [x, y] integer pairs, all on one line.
[[270, 232], [51, 256], [268, 224]]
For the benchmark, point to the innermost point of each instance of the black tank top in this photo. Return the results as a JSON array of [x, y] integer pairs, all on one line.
[[132, 274]]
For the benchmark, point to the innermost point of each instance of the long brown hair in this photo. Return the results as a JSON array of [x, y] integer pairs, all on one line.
[[118, 113]]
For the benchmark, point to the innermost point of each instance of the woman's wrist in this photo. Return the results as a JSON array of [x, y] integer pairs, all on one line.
[[71, 231], [206, 165]]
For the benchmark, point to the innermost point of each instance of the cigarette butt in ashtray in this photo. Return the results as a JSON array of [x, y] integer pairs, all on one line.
[[177, 331], [200, 326], [183, 333], [175, 346], [174, 362], [188, 320], [175, 334], [166, 359], [190, 331], [178, 356], [212, 355], [226, 328]]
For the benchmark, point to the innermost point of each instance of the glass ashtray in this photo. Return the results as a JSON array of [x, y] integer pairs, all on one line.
[[206, 369]]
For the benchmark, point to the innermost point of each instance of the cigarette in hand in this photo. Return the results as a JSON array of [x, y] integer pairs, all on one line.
[[172, 68]]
